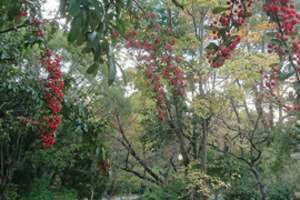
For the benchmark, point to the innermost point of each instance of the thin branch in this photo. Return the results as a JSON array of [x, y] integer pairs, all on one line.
[[140, 7]]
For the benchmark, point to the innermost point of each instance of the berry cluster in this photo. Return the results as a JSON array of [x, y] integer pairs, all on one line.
[[157, 65], [283, 13], [38, 23], [53, 86], [23, 13], [104, 165], [274, 77], [225, 43]]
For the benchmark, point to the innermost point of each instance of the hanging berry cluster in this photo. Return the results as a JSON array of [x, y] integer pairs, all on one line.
[[273, 77], [224, 43], [164, 64], [23, 13], [104, 166], [53, 86], [38, 23], [282, 12]]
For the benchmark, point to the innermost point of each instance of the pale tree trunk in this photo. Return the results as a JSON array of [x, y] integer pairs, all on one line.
[[92, 188], [202, 96]]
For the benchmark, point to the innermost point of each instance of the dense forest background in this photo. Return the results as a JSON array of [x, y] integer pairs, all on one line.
[[181, 99]]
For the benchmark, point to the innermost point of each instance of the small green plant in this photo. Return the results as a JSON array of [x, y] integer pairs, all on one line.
[[40, 191], [11, 192], [175, 190]]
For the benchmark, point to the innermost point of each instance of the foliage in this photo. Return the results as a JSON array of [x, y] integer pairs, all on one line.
[[227, 124], [174, 190], [40, 191], [276, 190], [195, 180]]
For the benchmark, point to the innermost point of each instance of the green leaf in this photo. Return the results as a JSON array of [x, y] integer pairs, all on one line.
[[102, 29], [74, 7], [97, 151], [113, 38], [88, 19], [295, 156], [75, 29], [97, 7], [110, 51], [247, 14], [272, 34], [94, 24], [96, 71], [92, 68], [217, 10], [123, 73], [93, 40], [219, 61], [103, 13], [276, 42], [103, 154], [85, 50], [118, 28], [222, 31], [105, 46], [212, 46], [273, 65], [112, 71], [214, 28], [81, 39], [13, 9], [97, 53], [62, 6], [128, 4], [283, 77], [86, 3], [121, 24], [297, 128]]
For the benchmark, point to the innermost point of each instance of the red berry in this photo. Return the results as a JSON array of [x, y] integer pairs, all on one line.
[[260, 71], [288, 107], [266, 76], [278, 35], [275, 69], [294, 21], [273, 83], [296, 107], [275, 76]]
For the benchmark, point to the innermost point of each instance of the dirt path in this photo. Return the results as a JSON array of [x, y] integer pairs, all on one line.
[[123, 198]]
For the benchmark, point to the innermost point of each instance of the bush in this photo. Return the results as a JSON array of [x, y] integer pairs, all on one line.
[[40, 191], [276, 191], [281, 191], [175, 190], [11, 192]]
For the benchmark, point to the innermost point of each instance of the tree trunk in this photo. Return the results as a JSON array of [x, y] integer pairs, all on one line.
[[202, 96], [2, 193], [260, 183]]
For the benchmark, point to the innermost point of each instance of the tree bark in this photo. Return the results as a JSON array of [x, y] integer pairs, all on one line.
[[259, 182], [202, 96]]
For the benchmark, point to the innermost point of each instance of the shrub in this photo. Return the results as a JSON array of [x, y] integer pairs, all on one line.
[[175, 190]]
